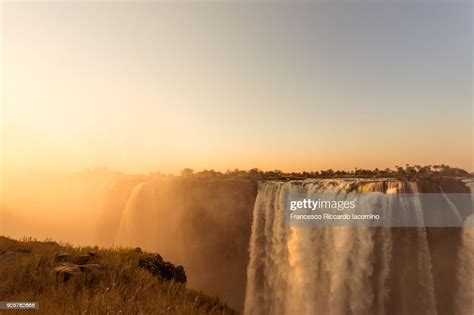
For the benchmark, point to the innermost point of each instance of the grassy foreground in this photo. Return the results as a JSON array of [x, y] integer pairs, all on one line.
[[27, 272]]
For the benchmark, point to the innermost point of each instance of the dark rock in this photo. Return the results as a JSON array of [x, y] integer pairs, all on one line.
[[62, 257], [68, 270], [180, 274], [94, 268], [84, 259], [162, 269]]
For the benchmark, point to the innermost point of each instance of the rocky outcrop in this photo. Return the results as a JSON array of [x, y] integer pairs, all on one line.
[[67, 270], [113, 284], [85, 258], [62, 257], [162, 269]]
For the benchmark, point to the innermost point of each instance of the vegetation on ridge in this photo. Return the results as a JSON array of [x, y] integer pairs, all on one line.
[[409, 171], [99, 281]]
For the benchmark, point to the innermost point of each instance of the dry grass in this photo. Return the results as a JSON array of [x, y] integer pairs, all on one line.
[[26, 274]]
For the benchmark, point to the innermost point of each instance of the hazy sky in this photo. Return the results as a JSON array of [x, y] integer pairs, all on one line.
[[145, 86]]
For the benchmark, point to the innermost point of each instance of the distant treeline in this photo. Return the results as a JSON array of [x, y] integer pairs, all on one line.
[[409, 171]]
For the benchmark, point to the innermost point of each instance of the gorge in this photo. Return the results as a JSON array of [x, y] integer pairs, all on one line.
[[230, 237]]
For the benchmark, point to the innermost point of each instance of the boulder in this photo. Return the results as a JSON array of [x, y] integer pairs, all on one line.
[[94, 268], [68, 270], [162, 269], [85, 259], [62, 257]]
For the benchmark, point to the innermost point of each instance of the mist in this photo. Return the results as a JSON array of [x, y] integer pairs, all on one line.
[[57, 205], [200, 223]]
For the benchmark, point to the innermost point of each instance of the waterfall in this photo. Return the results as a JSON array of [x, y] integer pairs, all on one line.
[[125, 226], [207, 227], [200, 223], [336, 270], [139, 218], [465, 294]]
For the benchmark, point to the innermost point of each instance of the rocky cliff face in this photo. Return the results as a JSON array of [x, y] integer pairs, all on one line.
[[447, 249]]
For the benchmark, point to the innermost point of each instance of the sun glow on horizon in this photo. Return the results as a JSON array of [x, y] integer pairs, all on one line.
[[143, 87]]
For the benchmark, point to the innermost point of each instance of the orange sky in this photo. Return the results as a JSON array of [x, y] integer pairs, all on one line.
[[141, 87]]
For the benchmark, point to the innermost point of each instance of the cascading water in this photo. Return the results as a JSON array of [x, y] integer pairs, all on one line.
[[465, 294], [207, 226], [342, 270], [133, 229]]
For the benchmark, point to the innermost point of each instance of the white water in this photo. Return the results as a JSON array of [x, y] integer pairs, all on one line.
[[329, 270], [133, 229], [465, 294], [339, 270]]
